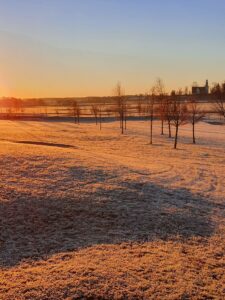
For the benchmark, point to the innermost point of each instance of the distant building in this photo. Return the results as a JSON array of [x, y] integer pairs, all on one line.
[[200, 90]]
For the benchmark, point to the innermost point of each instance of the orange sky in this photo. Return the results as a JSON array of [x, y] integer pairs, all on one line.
[[83, 48]]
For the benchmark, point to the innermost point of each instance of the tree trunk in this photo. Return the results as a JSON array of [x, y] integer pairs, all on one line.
[[151, 129], [162, 127], [100, 121], [176, 136], [122, 123], [193, 131], [169, 126]]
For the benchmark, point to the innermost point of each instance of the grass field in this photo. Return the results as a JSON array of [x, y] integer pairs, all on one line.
[[90, 214]]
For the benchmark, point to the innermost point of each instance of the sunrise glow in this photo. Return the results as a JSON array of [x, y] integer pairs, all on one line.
[[81, 48], [112, 149]]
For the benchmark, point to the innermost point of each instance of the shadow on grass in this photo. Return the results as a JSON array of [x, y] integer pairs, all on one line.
[[36, 227], [45, 144], [57, 145]]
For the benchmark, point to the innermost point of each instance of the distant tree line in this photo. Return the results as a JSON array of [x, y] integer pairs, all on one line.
[[173, 110]]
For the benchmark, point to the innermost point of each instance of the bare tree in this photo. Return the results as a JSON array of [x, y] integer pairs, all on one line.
[[168, 116], [100, 118], [160, 92], [120, 105], [139, 107], [179, 114], [150, 109], [125, 114], [196, 114], [76, 112], [218, 92], [95, 110]]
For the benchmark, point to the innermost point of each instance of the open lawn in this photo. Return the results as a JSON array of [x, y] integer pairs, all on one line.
[[90, 214]]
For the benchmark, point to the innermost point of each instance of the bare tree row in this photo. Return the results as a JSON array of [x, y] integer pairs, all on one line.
[[173, 110]]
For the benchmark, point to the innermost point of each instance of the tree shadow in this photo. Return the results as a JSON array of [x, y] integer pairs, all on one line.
[[36, 143], [59, 145], [36, 227]]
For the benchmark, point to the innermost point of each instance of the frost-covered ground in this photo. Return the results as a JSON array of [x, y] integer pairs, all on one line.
[[90, 214]]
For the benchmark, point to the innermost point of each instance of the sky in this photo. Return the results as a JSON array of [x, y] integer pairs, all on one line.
[[65, 48]]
